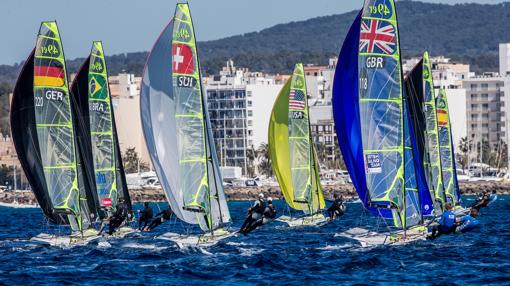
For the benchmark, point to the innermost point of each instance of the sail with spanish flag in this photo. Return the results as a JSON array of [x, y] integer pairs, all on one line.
[[449, 174]]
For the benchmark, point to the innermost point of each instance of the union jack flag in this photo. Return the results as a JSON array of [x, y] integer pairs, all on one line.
[[377, 37], [296, 99]]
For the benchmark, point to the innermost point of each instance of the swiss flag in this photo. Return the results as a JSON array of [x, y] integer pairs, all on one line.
[[182, 59]]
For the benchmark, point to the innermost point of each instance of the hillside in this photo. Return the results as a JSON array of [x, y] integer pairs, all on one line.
[[466, 32]]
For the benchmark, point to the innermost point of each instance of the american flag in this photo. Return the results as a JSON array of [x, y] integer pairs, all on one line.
[[377, 37], [296, 99]]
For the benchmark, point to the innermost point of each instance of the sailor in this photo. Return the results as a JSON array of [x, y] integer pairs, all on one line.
[[468, 222], [485, 200], [337, 208], [160, 218], [145, 216], [254, 213], [268, 215], [120, 215], [447, 223]]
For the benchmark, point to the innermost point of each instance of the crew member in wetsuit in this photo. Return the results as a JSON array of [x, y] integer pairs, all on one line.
[[447, 223], [337, 208], [161, 217], [120, 215], [485, 201], [269, 214], [468, 222], [145, 216], [254, 213]]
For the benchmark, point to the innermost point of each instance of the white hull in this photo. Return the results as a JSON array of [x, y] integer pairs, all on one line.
[[314, 220], [79, 239], [16, 205], [203, 240], [370, 238]]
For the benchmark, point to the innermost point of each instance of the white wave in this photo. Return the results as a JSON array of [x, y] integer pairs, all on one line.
[[335, 247], [104, 244], [143, 246]]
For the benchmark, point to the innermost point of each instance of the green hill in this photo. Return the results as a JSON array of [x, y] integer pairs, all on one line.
[[465, 32]]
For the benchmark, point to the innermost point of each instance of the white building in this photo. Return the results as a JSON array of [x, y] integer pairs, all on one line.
[[125, 91], [239, 103], [504, 59]]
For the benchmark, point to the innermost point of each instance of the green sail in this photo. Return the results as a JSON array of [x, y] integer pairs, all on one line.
[[433, 160], [101, 128], [446, 149], [55, 128], [291, 147]]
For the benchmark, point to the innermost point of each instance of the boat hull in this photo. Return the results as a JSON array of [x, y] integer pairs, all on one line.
[[202, 240], [313, 220], [367, 238]]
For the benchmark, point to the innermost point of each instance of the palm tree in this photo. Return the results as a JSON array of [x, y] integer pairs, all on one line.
[[464, 149], [264, 157], [251, 155]]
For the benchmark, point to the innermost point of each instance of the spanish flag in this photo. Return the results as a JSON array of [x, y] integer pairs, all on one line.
[[442, 117], [49, 76]]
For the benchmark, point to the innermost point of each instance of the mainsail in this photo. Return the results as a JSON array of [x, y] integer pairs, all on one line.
[[43, 133], [96, 130], [177, 128], [291, 147], [422, 106], [370, 116], [451, 185]]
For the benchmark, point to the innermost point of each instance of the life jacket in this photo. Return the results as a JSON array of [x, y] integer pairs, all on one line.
[[259, 207], [447, 220], [270, 212]]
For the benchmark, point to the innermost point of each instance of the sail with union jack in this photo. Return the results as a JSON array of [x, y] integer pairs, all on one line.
[[377, 37]]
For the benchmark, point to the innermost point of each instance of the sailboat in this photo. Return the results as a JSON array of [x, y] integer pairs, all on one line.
[[422, 104], [97, 135], [292, 152], [451, 184], [43, 132], [374, 128], [178, 134]]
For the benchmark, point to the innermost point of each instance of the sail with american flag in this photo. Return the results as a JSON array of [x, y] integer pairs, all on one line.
[[291, 148]]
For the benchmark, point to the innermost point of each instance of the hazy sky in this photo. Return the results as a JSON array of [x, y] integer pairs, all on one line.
[[133, 25]]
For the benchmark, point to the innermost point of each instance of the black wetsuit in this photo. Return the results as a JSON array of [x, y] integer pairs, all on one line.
[[268, 215], [145, 217], [336, 209], [482, 203], [161, 217], [254, 213], [118, 217]]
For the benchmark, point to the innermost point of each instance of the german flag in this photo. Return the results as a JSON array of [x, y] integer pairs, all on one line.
[[49, 76], [442, 117]]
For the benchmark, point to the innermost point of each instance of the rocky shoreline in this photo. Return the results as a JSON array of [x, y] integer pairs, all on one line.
[[250, 193]]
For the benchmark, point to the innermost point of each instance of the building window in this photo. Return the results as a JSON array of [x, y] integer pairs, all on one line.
[[250, 103], [249, 93], [485, 86], [474, 86], [250, 112]]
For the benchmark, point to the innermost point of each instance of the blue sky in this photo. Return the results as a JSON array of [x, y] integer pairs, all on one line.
[[133, 25]]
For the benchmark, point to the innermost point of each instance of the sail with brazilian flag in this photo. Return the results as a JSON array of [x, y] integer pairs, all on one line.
[[97, 132], [292, 151], [43, 127], [177, 129], [449, 174]]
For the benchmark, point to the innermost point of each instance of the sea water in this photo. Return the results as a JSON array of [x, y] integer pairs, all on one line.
[[272, 254]]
